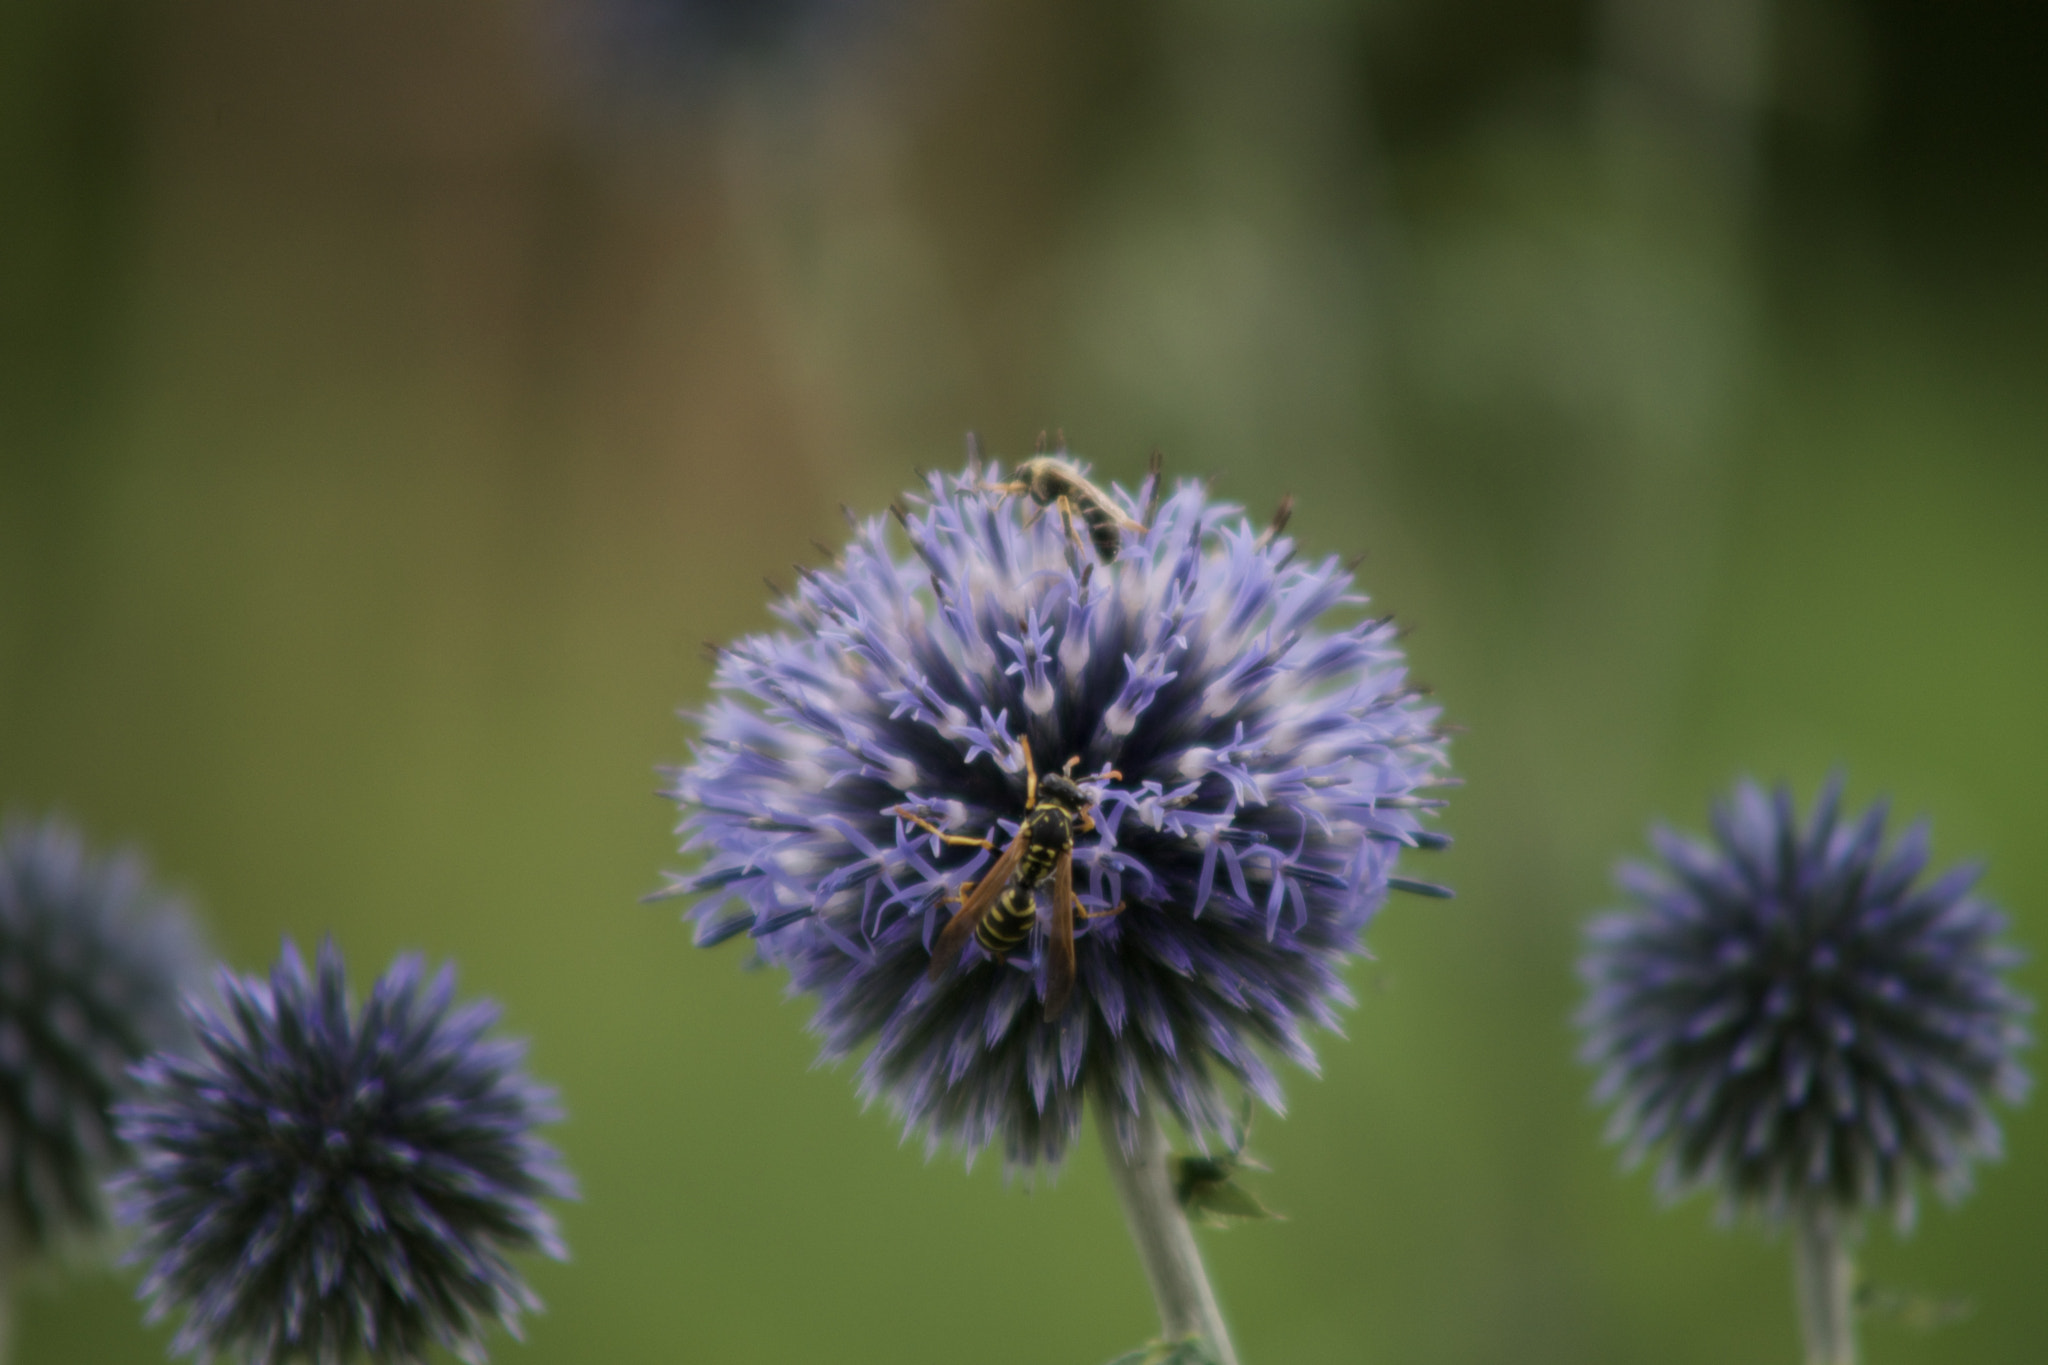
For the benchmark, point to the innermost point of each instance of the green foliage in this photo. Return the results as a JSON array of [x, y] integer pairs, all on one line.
[[1185, 1351], [1916, 1309], [1208, 1189]]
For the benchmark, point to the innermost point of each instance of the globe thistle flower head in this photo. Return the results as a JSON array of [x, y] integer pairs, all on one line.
[[327, 1184], [1252, 751], [93, 962], [628, 57], [1797, 1018]]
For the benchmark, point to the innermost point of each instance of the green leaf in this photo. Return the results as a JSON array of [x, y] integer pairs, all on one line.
[[1912, 1308], [1221, 1203], [1207, 1186], [1186, 1351]]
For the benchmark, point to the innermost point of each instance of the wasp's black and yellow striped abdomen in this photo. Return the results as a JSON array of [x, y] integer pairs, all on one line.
[[1000, 911], [1048, 834]]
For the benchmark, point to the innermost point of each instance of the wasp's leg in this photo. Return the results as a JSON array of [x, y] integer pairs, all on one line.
[[924, 824], [1030, 777], [1085, 913]]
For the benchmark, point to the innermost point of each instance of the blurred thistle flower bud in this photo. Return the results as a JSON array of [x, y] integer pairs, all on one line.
[[1250, 761], [328, 1184], [647, 54], [1798, 1020], [93, 964]]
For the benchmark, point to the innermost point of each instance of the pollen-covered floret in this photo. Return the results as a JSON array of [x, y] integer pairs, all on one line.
[[1257, 759]]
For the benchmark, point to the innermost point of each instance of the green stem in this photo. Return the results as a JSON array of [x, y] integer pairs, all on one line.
[[1166, 1245], [1824, 1275], [6, 1306]]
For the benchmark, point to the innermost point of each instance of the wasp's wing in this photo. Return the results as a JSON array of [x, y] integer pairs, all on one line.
[[1059, 943], [979, 898]]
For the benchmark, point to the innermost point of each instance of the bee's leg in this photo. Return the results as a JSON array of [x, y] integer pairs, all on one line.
[[1067, 519], [905, 814], [1005, 491]]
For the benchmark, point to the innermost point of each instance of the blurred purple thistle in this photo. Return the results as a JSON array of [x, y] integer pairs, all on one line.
[[1800, 1022], [93, 963], [326, 1183]]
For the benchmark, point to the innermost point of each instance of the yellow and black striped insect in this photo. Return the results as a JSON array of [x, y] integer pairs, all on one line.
[[1052, 482], [1000, 910]]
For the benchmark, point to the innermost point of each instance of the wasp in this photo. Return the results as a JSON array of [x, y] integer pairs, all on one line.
[[1000, 910], [1052, 482]]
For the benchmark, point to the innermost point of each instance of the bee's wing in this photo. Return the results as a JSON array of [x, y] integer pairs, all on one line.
[[980, 897], [1059, 944]]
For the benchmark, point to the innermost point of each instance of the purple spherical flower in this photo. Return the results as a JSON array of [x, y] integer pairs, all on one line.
[[327, 1184], [1248, 741], [1796, 1018], [93, 961]]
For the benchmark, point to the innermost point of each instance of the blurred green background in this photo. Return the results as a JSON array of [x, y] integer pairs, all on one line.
[[394, 396]]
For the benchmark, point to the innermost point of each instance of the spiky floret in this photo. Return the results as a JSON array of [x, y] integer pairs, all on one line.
[[93, 961], [325, 1184], [1267, 763], [1797, 1019]]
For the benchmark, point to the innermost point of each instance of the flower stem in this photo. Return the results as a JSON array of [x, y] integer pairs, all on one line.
[[6, 1305], [1166, 1245], [1824, 1276]]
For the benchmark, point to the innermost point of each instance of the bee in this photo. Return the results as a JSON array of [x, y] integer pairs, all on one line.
[[1000, 910], [1052, 482]]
